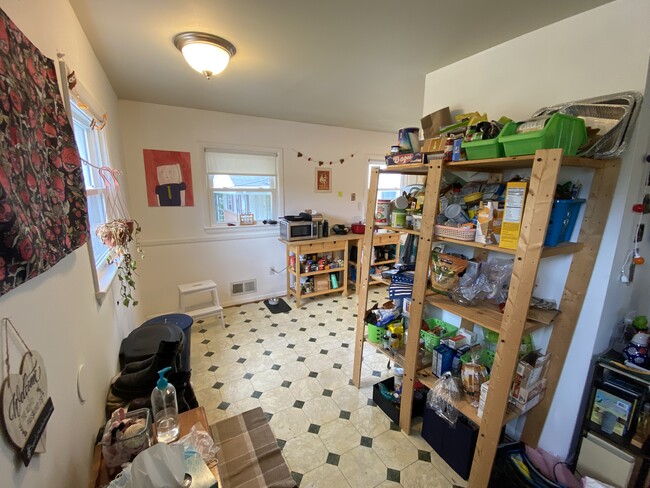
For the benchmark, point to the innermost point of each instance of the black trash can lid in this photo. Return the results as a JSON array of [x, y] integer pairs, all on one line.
[[181, 320], [144, 341]]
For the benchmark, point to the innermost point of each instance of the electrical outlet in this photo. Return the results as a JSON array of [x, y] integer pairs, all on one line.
[[353, 197], [271, 270]]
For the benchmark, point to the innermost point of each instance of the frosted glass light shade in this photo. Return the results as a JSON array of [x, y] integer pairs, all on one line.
[[205, 53]]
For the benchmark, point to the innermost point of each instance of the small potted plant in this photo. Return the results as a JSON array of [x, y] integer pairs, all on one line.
[[117, 234]]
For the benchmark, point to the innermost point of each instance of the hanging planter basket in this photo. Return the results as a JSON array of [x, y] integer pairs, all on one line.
[[118, 233]]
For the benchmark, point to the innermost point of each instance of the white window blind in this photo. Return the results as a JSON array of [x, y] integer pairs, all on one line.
[[225, 163]]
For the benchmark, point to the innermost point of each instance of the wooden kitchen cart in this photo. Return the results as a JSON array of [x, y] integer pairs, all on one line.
[[389, 236], [515, 321], [323, 246]]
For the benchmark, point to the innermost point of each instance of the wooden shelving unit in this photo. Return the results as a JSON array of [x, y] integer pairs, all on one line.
[[380, 239], [516, 320]]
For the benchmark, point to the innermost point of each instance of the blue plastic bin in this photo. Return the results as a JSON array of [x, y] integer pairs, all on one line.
[[563, 219]]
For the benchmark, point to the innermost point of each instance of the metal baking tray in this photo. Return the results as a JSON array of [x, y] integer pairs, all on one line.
[[613, 115]]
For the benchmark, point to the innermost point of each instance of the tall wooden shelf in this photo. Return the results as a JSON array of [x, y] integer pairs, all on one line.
[[514, 322]]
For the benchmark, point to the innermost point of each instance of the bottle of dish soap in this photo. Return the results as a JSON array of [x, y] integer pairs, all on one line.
[[165, 409]]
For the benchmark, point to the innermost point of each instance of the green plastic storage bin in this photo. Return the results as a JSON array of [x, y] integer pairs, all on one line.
[[431, 340], [560, 131], [375, 334], [485, 149]]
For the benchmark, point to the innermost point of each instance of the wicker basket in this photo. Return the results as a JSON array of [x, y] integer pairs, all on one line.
[[458, 233]]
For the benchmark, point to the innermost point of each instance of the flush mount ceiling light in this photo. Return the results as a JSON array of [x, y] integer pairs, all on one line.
[[206, 53]]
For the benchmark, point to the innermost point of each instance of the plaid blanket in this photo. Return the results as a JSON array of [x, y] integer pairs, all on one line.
[[249, 456]]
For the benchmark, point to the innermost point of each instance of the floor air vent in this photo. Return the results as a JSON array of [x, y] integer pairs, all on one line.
[[242, 287]]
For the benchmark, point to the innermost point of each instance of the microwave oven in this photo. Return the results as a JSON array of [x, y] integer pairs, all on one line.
[[298, 230]]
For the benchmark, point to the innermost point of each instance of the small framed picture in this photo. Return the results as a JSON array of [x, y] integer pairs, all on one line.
[[323, 180]]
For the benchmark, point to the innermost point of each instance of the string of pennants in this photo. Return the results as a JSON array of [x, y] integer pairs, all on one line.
[[322, 162]]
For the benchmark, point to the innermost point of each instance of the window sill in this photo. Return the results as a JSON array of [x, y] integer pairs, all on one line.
[[225, 232], [105, 278]]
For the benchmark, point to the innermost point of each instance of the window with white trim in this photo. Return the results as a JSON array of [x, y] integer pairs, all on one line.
[[92, 148], [389, 186], [241, 183]]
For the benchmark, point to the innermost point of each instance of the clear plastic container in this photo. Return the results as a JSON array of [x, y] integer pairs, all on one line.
[[123, 440]]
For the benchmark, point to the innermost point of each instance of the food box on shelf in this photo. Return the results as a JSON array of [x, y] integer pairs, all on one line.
[[531, 368], [528, 397], [514, 212]]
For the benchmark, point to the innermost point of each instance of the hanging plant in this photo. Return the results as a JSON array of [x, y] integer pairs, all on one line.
[[117, 234]]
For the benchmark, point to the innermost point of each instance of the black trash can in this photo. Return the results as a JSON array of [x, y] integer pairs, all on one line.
[[184, 322], [143, 343]]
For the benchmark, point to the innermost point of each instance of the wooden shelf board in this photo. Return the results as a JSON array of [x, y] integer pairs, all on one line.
[[397, 229], [484, 314], [560, 249], [408, 169], [427, 378], [499, 164], [382, 281], [489, 247], [379, 263], [563, 248], [316, 293], [314, 273], [381, 349]]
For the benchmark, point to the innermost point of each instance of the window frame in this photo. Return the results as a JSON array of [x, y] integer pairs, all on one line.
[[96, 142], [258, 229]]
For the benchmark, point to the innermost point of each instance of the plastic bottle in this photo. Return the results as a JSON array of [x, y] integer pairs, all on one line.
[[165, 409]]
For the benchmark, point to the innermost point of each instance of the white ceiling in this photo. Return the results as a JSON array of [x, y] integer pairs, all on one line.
[[348, 63]]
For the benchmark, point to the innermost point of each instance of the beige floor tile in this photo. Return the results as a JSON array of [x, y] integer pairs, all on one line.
[[328, 342], [388, 484], [266, 332], [200, 363], [394, 449], [230, 372], [319, 363], [208, 398], [325, 476], [446, 470], [421, 474], [242, 406], [294, 372], [362, 468], [203, 379], [305, 453], [218, 342], [321, 410], [306, 389], [277, 399], [339, 436], [224, 357], [370, 421], [274, 344], [317, 331], [251, 351], [296, 337], [284, 356], [341, 355], [289, 423], [349, 398], [236, 390], [215, 415], [267, 380], [307, 349], [258, 364], [376, 362], [332, 379]]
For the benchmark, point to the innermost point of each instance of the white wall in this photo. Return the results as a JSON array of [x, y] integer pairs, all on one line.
[[595, 53], [56, 313], [178, 248]]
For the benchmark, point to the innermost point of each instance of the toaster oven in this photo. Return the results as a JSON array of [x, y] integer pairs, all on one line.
[[298, 230]]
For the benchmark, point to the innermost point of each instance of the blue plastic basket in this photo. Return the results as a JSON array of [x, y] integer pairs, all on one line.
[[563, 219]]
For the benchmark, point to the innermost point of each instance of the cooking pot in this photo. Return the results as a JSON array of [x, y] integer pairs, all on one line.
[[358, 228]]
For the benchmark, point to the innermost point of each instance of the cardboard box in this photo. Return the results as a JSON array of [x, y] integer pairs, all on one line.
[[322, 282], [514, 212], [483, 397], [530, 369], [528, 397], [432, 123], [456, 341], [434, 145]]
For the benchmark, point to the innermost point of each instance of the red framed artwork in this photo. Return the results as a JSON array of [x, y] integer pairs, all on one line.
[[168, 176], [323, 180]]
